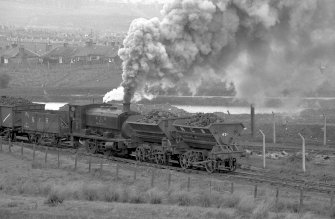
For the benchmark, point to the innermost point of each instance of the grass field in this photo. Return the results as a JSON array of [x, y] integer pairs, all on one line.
[[38, 190]]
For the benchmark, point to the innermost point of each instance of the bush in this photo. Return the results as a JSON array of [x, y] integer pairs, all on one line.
[[136, 197], [155, 196], [261, 211], [54, 199], [231, 201], [246, 204], [204, 200], [91, 192], [112, 194], [183, 199]]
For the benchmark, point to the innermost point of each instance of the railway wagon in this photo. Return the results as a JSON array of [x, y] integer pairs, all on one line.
[[47, 127], [100, 128], [11, 118], [212, 147], [154, 142], [171, 141]]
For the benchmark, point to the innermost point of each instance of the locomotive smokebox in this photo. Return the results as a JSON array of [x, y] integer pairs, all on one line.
[[126, 106]]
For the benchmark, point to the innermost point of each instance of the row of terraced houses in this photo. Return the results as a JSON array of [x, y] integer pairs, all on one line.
[[90, 53]]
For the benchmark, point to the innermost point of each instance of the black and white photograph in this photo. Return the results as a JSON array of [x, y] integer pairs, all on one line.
[[167, 109]]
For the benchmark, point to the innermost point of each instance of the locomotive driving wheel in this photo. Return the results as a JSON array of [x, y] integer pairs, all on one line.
[[210, 165], [184, 161]]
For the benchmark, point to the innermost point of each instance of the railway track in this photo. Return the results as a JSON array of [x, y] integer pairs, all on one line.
[[314, 149], [245, 175]]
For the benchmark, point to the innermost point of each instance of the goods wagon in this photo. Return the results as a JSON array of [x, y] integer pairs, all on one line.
[[11, 118], [154, 141], [212, 146], [46, 127]]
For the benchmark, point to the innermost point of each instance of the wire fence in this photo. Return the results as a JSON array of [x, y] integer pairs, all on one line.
[[153, 174]]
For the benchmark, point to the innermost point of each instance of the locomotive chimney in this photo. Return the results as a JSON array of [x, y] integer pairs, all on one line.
[[126, 106]]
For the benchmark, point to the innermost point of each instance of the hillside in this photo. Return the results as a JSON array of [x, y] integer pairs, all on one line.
[[99, 16]]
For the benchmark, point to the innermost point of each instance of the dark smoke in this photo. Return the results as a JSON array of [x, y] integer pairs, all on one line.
[[262, 47]]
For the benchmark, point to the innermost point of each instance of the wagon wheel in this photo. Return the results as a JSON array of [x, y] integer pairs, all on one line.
[[210, 166], [232, 165], [140, 154], [159, 159], [91, 147], [184, 161], [107, 152]]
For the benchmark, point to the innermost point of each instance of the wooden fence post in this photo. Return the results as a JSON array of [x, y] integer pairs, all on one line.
[[135, 172], [9, 145], [101, 161], [58, 160], [152, 177], [255, 192], [188, 183], [232, 188], [89, 163], [210, 186], [46, 155], [76, 160], [301, 202], [169, 179], [34, 152], [117, 171], [21, 149], [331, 199], [277, 196]]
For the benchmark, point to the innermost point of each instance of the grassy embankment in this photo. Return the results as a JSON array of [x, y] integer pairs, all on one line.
[[39, 190]]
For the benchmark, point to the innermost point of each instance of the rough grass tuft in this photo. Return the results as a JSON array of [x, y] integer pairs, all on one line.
[[154, 196], [54, 199]]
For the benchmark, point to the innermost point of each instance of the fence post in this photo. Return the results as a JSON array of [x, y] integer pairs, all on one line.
[[89, 163], [301, 202], [277, 196], [169, 179], [210, 186], [332, 199], [0, 144], [274, 127], [9, 145], [232, 188], [46, 155], [58, 161], [101, 161], [135, 172], [76, 160], [152, 177], [263, 147], [324, 129], [117, 171], [188, 183], [34, 152], [21, 149], [303, 153], [255, 192]]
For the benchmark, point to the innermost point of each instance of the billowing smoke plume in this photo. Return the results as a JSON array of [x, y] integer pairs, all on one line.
[[262, 47]]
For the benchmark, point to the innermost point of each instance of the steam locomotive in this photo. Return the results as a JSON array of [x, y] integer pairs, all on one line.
[[115, 130]]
